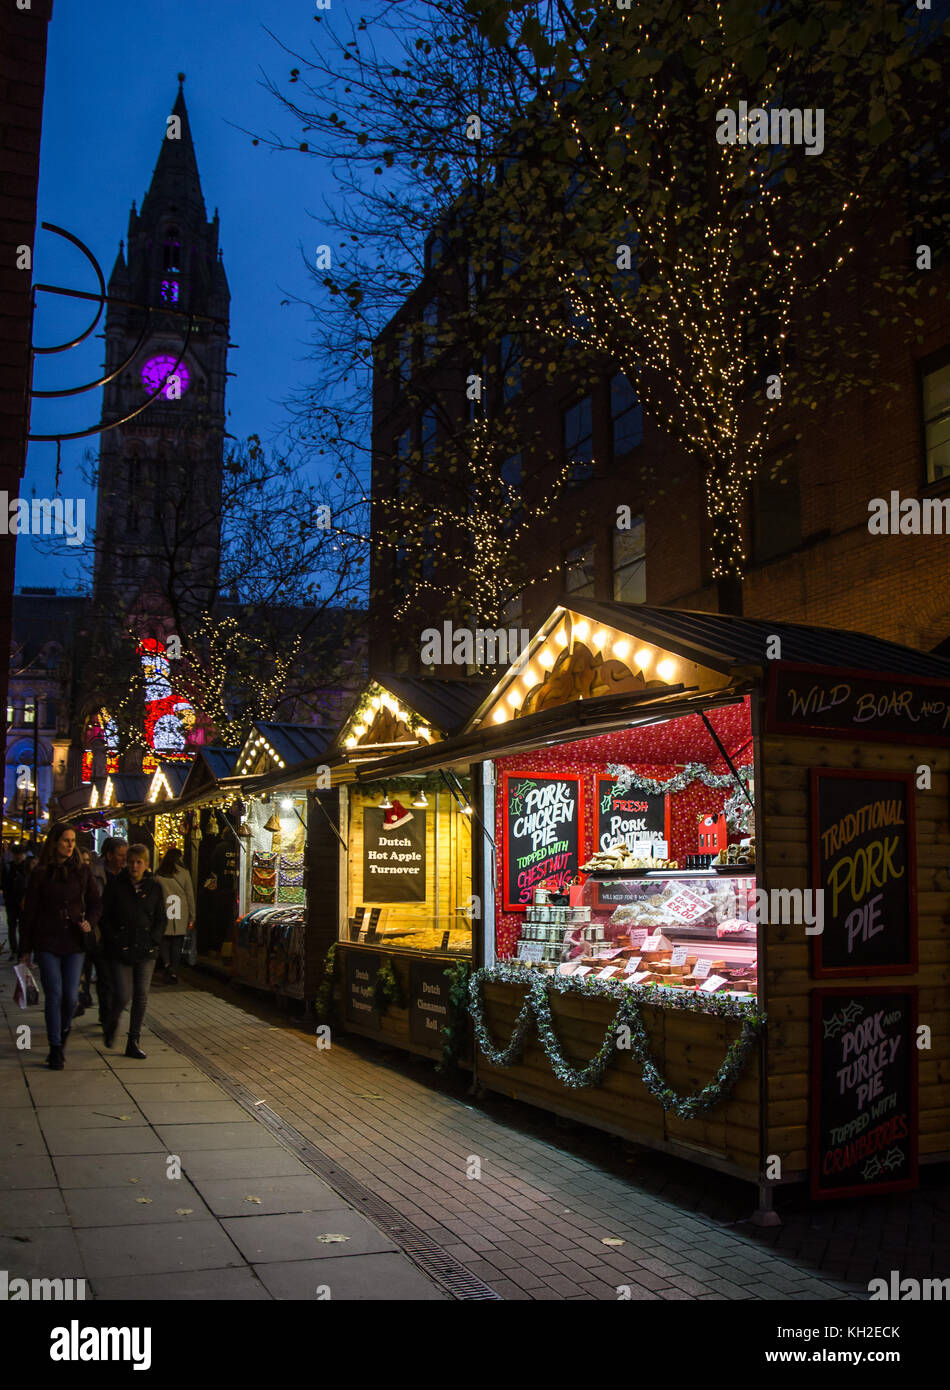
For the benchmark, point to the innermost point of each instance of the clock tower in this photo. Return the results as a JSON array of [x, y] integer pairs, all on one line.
[[158, 518]]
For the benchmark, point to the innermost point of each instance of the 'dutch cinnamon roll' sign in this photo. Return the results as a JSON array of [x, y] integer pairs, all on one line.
[[864, 865], [542, 833]]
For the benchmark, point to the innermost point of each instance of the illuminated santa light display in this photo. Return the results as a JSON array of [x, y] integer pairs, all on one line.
[[171, 725]]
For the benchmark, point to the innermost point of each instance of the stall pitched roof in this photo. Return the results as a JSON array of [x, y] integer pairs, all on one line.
[[448, 705], [723, 641], [285, 745]]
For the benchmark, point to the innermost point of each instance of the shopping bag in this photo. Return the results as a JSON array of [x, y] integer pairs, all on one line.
[[189, 950], [26, 994]]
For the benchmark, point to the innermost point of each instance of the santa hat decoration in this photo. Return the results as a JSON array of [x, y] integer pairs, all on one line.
[[396, 815]]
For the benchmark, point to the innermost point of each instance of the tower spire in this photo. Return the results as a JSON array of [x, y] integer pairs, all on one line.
[[175, 182]]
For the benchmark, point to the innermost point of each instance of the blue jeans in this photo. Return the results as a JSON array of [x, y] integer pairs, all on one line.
[[60, 976]]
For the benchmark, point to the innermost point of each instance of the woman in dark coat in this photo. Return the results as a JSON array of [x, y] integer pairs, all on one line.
[[61, 906], [133, 924]]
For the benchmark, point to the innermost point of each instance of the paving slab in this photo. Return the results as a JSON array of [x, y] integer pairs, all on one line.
[[32, 1206], [118, 1140], [357, 1278], [41, 1253], [33, 1170], [248, 1134], [56, 1088], [195, 1112], [220, 1285], [14, 1092], [269, 1160], [135, 1204], [111, 1170], [162, 1248], [267, 1196], [164, 1076], [179, 1091], [269, 1239], [69, 1117]]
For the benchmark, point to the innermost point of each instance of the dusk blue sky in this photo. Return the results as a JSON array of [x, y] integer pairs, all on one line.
[[110, 83]]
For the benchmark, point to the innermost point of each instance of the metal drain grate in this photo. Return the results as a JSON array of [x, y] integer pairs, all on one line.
[[427, 1254]]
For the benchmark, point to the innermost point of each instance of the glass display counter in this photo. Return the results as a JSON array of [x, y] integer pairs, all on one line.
[[685, 930]]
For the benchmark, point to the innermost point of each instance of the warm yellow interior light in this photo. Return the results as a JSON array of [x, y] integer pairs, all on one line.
[[666, 669], [643, 658], [621, 649], [499, 716], [514, 699], [546, 658], [582, 630]]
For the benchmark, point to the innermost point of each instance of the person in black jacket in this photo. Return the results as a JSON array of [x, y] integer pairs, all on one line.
[[14, 887], [133, 924]]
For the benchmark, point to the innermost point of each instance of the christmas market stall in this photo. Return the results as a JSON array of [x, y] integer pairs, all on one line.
[[270, 936], [398, 930], [714, 894]]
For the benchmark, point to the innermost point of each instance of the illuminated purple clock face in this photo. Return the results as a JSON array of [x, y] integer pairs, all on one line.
[[156, 369]]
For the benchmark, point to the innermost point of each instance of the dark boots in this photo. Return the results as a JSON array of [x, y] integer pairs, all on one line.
[[133, 1049], [55, 1060]]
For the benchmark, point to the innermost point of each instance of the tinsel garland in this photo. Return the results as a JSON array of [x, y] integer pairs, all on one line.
[[629, 999], [736, 809]]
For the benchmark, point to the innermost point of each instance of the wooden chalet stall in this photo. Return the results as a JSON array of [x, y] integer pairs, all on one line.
[[759, 1015], [270, 782], [401, 914]]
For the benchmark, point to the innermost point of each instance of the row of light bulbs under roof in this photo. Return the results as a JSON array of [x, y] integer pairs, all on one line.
[[420, 800], [252, 754], [602, 642]]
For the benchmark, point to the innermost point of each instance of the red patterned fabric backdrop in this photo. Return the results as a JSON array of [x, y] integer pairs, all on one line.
[[657, 750]]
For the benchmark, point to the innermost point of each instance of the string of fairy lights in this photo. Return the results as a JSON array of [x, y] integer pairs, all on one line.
[[704, 397]]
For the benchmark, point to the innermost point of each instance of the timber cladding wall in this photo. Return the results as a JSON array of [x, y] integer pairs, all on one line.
[[784, 841], [687, 1048]]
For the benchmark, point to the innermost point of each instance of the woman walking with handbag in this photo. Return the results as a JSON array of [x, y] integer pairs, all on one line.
[[133, 924], [179, 908], [60, 909]]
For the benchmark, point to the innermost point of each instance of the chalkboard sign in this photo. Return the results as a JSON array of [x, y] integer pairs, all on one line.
[[428, 1002], [857, 704], [864, 1091], [542, 833], [360, 969], [864, 864], [394, 855], [630, 815]]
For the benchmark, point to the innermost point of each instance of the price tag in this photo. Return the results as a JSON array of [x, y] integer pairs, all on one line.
[[679, 955], [713, 983], [701, 969], [632, 965], [638, 937], [638, 978], [606, 974], [655, 943], [567, 968], [686, 906], [609, 955], [582, 970]]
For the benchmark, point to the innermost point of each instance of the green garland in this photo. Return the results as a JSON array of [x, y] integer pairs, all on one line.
[[387, 989], [453, 1033], [323, 1001], [737, 809], [629, 999]]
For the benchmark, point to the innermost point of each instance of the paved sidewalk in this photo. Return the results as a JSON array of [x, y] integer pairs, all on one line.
[[84, 1190], [87, 1185], [533, 1225]]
